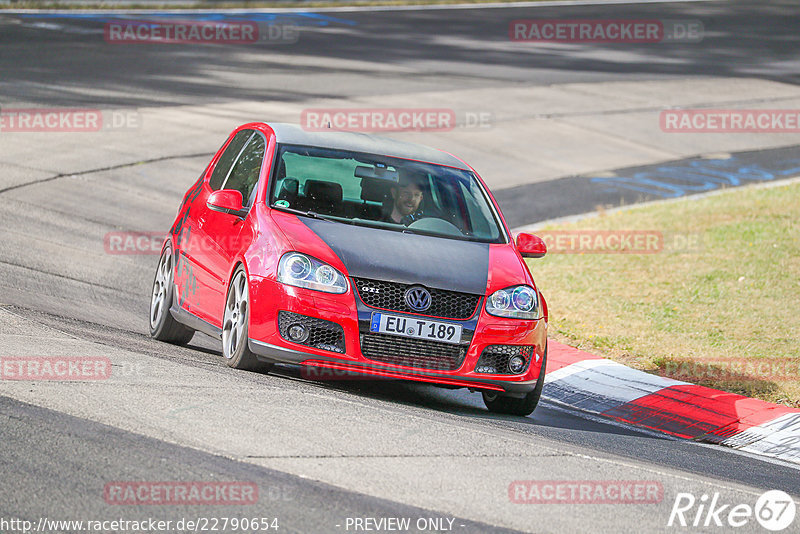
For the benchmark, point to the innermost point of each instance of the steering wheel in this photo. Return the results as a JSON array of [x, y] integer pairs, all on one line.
[[435, 225]]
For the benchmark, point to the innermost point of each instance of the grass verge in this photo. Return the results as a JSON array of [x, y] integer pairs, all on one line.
[[718, 305]]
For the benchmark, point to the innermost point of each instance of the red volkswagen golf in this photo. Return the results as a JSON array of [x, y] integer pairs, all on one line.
[[355, 253]]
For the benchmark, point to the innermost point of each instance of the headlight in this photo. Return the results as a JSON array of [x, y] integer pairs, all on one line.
[[296, 269], [519, 302]]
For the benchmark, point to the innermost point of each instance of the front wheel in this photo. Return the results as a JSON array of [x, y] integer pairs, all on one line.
[[235, 324], [524, 406]]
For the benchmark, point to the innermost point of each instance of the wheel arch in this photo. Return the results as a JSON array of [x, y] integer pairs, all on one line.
[[239, 261], [544, 307]]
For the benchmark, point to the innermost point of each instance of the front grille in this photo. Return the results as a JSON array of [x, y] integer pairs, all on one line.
[[412, 352], [494, 358], [323, 334], [391, 296]]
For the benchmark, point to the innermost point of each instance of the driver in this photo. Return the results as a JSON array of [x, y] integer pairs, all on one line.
[[407, 196]]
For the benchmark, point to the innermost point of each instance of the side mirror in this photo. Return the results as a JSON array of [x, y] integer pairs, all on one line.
[[531, 246], [227, 201]]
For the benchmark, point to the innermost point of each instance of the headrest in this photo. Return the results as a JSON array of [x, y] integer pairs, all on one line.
[[289, 189], [375, 189], [324, 192]]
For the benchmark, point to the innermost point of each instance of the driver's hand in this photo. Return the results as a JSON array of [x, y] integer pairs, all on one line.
[[408, 219]]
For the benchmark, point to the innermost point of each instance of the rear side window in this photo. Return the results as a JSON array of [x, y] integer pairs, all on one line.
[[227, 159], [244, 176]]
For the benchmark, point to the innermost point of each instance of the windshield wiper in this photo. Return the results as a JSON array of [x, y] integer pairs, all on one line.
[[313, 214]]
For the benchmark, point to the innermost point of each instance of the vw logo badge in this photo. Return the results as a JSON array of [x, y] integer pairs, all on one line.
[[418, 298]]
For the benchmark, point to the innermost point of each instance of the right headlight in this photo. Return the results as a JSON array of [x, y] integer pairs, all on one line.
[[300, 270], [517, 302]]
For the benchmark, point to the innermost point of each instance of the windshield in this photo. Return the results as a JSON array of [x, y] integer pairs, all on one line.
[[383, 192]]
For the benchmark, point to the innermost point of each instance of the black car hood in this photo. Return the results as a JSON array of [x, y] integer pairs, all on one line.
[[406, 258]]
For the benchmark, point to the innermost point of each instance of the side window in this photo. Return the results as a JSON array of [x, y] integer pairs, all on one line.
[[304, 168], [227, 159], [244, 176]]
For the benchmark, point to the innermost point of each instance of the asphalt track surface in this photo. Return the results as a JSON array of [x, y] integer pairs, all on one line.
[[71, 68], [319, 452]]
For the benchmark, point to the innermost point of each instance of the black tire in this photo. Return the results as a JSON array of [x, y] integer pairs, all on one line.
[[524, 406], [235, 326], [163, 326]]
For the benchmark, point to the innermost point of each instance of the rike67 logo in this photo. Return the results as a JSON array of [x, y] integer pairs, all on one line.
[[774, 510]]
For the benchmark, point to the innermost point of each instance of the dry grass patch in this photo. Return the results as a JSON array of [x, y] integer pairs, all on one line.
[[725, 314]]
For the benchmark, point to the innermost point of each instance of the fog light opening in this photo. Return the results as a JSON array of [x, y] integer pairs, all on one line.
[[298, 333], [516, 364]]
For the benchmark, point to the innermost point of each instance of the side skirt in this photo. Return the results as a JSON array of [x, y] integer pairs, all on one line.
[[194, 322]]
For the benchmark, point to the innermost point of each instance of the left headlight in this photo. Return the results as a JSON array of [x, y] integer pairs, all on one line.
[[296, 269], [518, 302]]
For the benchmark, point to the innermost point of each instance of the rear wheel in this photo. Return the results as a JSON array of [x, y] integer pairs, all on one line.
[[235, 323], [163, 326], [524, 406]]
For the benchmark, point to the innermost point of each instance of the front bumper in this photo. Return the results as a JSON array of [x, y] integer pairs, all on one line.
[[268, 297]]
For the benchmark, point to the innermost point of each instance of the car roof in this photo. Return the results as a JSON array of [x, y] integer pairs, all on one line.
[[293, 134]]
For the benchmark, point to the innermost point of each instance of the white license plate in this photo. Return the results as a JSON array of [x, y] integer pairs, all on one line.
[[416, 328]]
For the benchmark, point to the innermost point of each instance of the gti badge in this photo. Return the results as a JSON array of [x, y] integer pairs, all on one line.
[[418, 298]]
